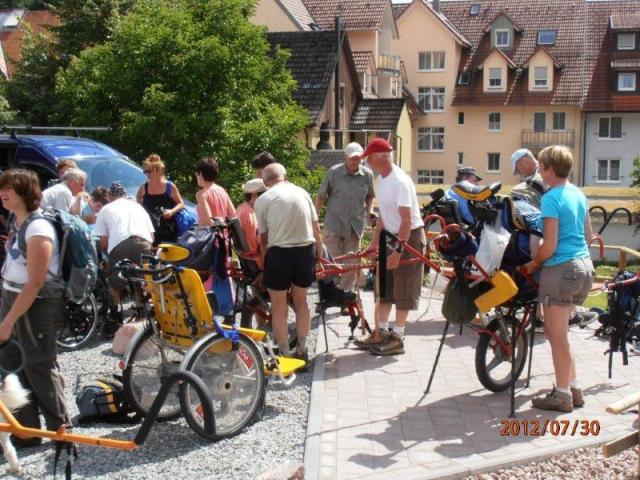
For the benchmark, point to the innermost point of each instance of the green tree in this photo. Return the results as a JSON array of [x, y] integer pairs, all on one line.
[[187, 78], [635, 173], [26, 4], [31, 91], [83, 23]]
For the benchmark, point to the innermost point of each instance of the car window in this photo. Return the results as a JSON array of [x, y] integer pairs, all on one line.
[[45, 175], [103, 171]]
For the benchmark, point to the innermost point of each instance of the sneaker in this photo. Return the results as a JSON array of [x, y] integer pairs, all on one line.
[[393, 345], [370, 341], [582, 319], [555, 400], [578, 397]]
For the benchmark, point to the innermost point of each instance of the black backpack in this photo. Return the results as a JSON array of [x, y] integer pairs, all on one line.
[[104, 401]]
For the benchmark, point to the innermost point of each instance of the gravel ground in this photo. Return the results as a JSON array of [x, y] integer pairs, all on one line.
[[172, 449], [586, 463]]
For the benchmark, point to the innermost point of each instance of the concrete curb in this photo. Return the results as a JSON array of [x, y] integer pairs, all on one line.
[[314, 419]]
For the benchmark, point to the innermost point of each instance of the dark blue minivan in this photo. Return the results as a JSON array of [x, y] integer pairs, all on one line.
[[41, 153]]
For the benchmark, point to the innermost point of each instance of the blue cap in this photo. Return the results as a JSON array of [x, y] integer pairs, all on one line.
[[517, 155]]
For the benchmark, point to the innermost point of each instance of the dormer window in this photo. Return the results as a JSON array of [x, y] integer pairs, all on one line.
[[627, 82], [502, 38], [495, 78], [547, 37], [475, 9], [626, 41], [540, 77], [464, 78]]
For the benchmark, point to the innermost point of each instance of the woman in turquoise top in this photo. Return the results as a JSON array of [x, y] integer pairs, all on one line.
[[566, 271]]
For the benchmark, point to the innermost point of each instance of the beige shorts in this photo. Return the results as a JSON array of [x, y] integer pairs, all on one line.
[[404, 284], [567, 283]]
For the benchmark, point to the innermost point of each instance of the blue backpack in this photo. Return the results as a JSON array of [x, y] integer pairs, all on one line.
[[78, 259]]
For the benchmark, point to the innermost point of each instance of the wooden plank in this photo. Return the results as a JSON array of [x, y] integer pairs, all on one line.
[[624, 404], [623, 443]]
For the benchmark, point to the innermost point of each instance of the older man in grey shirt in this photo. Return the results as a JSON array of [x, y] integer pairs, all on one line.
[[348, 190]]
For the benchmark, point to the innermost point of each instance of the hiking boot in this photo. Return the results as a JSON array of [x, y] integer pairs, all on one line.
[[555, 400], [370, 341], [578, 397], [393, 345]]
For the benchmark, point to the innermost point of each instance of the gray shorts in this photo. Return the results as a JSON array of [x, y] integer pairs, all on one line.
[[132, 248], [567, 283], [404, 284]]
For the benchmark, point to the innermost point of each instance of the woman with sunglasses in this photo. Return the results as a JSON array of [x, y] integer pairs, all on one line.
[[161, 199], [32, 307]]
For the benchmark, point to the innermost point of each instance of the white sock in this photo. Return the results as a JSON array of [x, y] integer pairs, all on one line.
[[399, 331], [574, 383], [564, 390], [383, 325], [302, 344]]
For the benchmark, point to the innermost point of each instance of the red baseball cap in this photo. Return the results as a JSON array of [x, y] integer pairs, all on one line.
[[377, 145]]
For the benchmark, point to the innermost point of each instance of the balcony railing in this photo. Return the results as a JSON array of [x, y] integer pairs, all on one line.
[[389, 62], [544, 138]]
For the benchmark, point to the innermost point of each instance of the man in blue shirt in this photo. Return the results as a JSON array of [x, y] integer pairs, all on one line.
[[469, 174]]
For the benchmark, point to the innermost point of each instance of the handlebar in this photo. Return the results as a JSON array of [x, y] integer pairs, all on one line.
[[133, 272]]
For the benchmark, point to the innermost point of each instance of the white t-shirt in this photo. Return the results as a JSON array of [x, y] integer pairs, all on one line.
[[286, 212], [58, 196], [394, 191], [15, 264], [122, 219]]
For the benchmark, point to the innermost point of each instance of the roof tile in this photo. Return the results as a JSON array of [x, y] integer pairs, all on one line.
[[377, 114], [354, 14], [625, 20], [361, 60], [299, 11]]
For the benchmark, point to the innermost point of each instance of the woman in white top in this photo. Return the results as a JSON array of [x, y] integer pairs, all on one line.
[[32, 308]]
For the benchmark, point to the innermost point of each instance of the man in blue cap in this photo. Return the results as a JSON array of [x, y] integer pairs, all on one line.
[[532, 187]]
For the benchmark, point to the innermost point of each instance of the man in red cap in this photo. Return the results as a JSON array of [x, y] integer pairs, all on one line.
[[400, 215]]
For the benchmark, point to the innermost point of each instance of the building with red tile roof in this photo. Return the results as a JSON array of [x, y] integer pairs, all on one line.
[[12, 32]]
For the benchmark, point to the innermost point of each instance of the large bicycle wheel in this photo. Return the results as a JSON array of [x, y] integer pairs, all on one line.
[[79, 324], [493, 363], [236, 381], [148, 362], [256, 313]]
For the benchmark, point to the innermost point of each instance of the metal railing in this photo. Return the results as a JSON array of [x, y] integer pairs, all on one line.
[[544, 138]]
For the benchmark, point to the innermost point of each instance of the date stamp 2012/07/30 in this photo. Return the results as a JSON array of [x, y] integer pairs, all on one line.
[[556, 428]]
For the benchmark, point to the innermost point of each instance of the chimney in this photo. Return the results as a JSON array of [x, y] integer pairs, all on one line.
[[436, 5]]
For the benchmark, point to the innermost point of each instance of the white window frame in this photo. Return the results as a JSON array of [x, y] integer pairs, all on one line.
[[474, 9], [553, 119], [609, 138], [608, 179], [431, 93], [499, 122], [502, 30], [366, 83], [622, 75], [542, 86], [489, 159], [430, 177], [495, 87], [627, 35], [440, 54], [431, 133], [541, 32]]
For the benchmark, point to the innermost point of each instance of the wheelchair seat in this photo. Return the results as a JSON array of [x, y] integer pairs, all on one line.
[[512, 217], [476, 193]]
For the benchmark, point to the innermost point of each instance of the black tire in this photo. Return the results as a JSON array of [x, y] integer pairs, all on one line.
[[235, 379], [248, 320], [490, 355], [80, 324], [144, 371]]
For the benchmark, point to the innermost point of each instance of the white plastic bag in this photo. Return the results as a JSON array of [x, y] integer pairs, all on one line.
[[493, 243]]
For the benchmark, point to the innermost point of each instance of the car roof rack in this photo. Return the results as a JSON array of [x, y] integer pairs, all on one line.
[[13, 129]]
